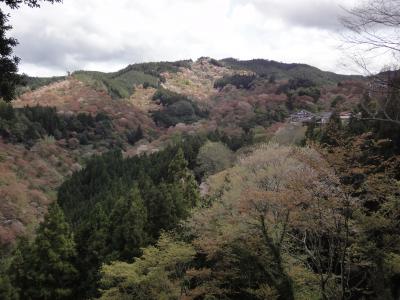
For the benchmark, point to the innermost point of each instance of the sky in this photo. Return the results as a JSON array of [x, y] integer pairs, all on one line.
[[107, 35]]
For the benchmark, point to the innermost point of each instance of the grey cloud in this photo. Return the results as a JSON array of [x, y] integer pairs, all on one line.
[[321, 14], [103, 35], [50, 50]]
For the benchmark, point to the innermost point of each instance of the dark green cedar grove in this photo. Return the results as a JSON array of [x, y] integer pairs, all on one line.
[[116, 206]]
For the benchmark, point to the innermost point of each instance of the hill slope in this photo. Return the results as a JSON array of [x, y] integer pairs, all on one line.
[[127, 100], [287, 71]]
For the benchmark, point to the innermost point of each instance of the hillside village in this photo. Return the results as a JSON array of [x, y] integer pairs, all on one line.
[[304, 117]]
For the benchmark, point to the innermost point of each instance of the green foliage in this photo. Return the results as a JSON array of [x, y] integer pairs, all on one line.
[[286, 71], [265, 117], [33, 83], [296, 88], [177, 109], [312, 92], [167, 97], [9, 77], [337, 101], [28, 124], [215, 62], [213, 158], [295, 84], [121, 84], [155, 69], [6, 111], [237, 80], [272, 79], [45, 269], [116, 87], [233, 141], [135, 135], [128, 221], [116, 206], [290, 134], [7, 291], [365, 159], [155, 275], [330, 134]]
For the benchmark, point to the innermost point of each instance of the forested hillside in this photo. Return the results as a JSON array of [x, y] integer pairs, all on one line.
[[198, 180]]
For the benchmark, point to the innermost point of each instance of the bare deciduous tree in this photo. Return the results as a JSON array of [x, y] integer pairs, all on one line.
[[374, 28], [375, 24]]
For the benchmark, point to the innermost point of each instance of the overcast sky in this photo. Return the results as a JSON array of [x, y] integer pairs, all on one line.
[[107, 35]]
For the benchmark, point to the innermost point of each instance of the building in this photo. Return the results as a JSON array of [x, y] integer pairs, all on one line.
[[345, 117], [302, 117], [324, 117]]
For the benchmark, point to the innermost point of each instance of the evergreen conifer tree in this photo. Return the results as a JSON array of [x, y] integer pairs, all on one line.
[[128, 221], [46, 269]]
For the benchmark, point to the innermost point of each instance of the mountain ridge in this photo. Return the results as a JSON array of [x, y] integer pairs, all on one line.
[[260, 66]]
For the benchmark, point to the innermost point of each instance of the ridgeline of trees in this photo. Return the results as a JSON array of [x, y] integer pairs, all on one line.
[[155, 69], [120, 84], [278, 70]]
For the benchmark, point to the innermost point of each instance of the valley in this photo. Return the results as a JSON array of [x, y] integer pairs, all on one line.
[[232, 179]]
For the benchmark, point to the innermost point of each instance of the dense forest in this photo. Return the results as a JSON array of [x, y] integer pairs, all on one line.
[[213, 214], [278, 222]]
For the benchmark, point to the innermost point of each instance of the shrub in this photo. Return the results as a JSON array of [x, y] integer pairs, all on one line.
[[168, 97], [295, 84], [313, 92], [135, 135], [177, 109], [215, 62], [239, 81], [337, 101], [6, 111]]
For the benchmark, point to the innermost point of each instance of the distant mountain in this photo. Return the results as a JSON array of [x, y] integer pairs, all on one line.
[[263, 67], [120, 84]]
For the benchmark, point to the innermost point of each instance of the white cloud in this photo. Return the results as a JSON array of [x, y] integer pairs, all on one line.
[[107, 34]]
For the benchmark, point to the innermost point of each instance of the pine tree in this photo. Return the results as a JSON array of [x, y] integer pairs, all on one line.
[[8, 65], [7, 291], [139, 133], [180, 174], [191, 192], [20, 271], [177, 168], [134, 222], [47, 271], [93, 240]]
